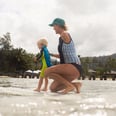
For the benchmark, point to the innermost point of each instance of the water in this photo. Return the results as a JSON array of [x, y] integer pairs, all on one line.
[[17, 98]]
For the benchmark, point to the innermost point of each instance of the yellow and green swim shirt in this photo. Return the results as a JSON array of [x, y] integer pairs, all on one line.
[[45, 58], [44, 66]]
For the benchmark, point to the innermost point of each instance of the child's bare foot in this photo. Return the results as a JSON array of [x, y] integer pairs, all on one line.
[[68, 89], [44, 89], [77, 86], [38, 90]]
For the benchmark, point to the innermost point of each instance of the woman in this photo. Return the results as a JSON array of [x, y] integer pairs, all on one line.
[[70, 67]]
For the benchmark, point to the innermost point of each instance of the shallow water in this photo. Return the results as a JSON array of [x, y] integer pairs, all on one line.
[[17, 98]]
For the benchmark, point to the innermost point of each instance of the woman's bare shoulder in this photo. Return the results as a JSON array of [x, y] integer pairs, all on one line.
[[65, 36]]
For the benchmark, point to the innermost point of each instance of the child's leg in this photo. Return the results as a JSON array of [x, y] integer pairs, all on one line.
[[46, 84], [39, 84], [40, 80]]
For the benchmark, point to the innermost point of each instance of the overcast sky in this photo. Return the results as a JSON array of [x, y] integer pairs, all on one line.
[[92, 23]]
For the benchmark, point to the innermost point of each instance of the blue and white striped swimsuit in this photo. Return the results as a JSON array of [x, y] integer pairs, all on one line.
[[68, 54]]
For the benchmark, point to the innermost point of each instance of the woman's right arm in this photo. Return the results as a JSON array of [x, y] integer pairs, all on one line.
[[55, 55]]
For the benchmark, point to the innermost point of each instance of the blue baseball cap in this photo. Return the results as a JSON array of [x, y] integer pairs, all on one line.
[[58, 21]]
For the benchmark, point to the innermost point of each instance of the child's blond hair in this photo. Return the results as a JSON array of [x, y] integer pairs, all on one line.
[[43, 41]]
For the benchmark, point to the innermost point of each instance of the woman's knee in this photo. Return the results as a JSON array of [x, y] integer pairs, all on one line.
[[53, 86], [52, 89], [48, 71]]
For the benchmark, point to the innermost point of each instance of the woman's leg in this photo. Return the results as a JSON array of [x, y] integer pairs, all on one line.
[[55, 86], [67, 71], [77, 86], [68, 86]]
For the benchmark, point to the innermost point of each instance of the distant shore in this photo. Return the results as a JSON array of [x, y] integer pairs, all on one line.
[[10, 74], [5, 77]]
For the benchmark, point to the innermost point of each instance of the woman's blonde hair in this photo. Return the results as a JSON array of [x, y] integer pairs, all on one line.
[[64, 27], [43, 42]]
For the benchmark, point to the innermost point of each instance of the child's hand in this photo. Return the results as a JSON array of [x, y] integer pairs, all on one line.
[[35, 59]]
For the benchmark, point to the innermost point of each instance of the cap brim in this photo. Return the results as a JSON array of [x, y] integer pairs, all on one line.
[[51, 25]]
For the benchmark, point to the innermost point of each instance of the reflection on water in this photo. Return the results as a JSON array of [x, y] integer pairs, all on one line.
[[17, 98]]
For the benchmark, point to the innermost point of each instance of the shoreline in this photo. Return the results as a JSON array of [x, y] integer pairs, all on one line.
[[97, 78]]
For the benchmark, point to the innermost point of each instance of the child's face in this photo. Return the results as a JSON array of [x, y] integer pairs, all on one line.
[[40, 45]]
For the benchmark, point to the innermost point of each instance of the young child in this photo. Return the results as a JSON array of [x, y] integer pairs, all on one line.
[[46, 62]]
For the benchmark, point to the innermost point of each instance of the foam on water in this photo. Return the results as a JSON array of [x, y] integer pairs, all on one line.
[[17, 98]]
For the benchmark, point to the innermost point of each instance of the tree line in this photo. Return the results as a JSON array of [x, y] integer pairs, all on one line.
[[14, 59], [102, 64], [17, 59]]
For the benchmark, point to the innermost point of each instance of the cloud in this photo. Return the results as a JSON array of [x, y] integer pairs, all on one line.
[[90, 22], [27, 21], [84, 7]]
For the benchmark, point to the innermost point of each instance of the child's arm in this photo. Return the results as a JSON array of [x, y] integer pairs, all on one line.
[[35, 59], [55, 55], [38, 57]]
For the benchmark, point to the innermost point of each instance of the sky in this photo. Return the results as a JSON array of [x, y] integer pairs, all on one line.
[[91, 23]]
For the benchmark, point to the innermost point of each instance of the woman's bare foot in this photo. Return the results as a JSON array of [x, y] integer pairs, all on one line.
[[38, 90], [44, 89], [77, 86], [68, 89]]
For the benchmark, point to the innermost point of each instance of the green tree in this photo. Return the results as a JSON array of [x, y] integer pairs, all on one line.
[[111, 64], [5, 42], [14, 59]]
